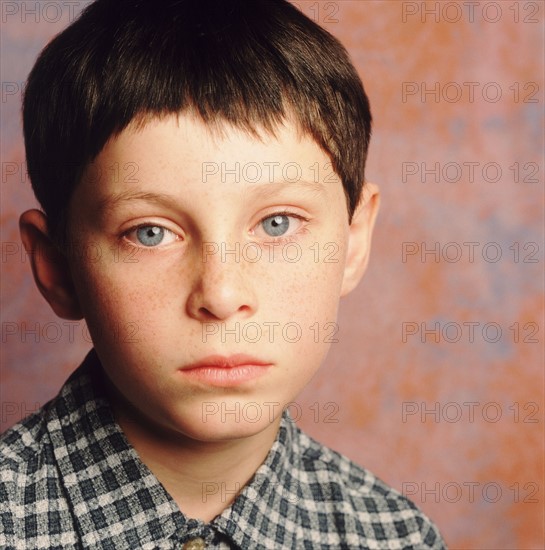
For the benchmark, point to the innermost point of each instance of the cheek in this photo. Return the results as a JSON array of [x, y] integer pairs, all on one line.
[[120, 298], [306, 300], [311, 286]]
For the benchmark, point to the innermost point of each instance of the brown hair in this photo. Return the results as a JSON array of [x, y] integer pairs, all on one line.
[[249, 63]]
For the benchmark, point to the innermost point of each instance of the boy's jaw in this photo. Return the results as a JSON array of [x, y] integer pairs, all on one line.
[[158, 314]]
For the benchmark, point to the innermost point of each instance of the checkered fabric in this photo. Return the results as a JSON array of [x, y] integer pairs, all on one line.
[[70, 479]]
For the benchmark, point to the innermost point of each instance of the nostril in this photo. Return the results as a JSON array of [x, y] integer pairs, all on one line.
[[207, 313], [215, 314]]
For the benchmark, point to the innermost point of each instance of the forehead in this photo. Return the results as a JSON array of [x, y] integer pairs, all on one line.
[[179, 158], [189, 137], [184, 147]]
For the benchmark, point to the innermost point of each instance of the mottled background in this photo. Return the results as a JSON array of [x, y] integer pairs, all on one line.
[[436, 383]]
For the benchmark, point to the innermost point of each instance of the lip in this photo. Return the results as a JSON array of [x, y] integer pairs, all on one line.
[[226, 371]]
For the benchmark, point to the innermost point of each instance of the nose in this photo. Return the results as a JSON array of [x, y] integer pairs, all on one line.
[[222, 288]]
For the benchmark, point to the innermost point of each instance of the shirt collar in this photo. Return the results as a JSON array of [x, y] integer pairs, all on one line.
[[269, 502], [112, 493]]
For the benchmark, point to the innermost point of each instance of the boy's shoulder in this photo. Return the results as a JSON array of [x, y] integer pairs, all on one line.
[[33, 513], [27, 445], [21, 443], [358, 483], [70, 479], [356, 498]]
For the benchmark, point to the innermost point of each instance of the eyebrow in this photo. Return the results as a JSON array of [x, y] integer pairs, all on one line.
[[262, 191], [269, 190], [112, 201]]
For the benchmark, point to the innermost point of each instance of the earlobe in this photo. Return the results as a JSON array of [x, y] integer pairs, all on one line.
[[360, 236], [49, 266]]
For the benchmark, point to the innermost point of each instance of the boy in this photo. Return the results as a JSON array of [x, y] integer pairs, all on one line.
[[189, 144]]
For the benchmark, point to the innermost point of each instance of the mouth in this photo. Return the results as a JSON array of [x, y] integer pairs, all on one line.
[[226, 371]]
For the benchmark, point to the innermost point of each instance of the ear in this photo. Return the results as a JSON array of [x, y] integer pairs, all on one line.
[[359, 237], [49, 266]]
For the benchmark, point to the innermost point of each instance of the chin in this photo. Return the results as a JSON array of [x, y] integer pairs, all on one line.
[[228, 430]]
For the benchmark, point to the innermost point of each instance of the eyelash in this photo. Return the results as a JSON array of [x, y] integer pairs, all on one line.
[[280, 239], [149, 249]]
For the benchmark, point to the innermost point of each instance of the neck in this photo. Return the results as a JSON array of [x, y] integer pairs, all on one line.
[[203, 477]]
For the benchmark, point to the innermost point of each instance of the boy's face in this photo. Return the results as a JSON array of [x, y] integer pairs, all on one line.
[[196, 245]]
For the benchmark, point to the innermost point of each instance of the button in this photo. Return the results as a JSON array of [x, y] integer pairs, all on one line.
[[194, 544]]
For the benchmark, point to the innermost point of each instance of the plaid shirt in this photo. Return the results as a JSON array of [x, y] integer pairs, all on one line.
[[70, 479]]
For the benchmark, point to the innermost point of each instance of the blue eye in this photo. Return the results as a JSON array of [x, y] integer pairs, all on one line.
[[276, 225], [150, 235]]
